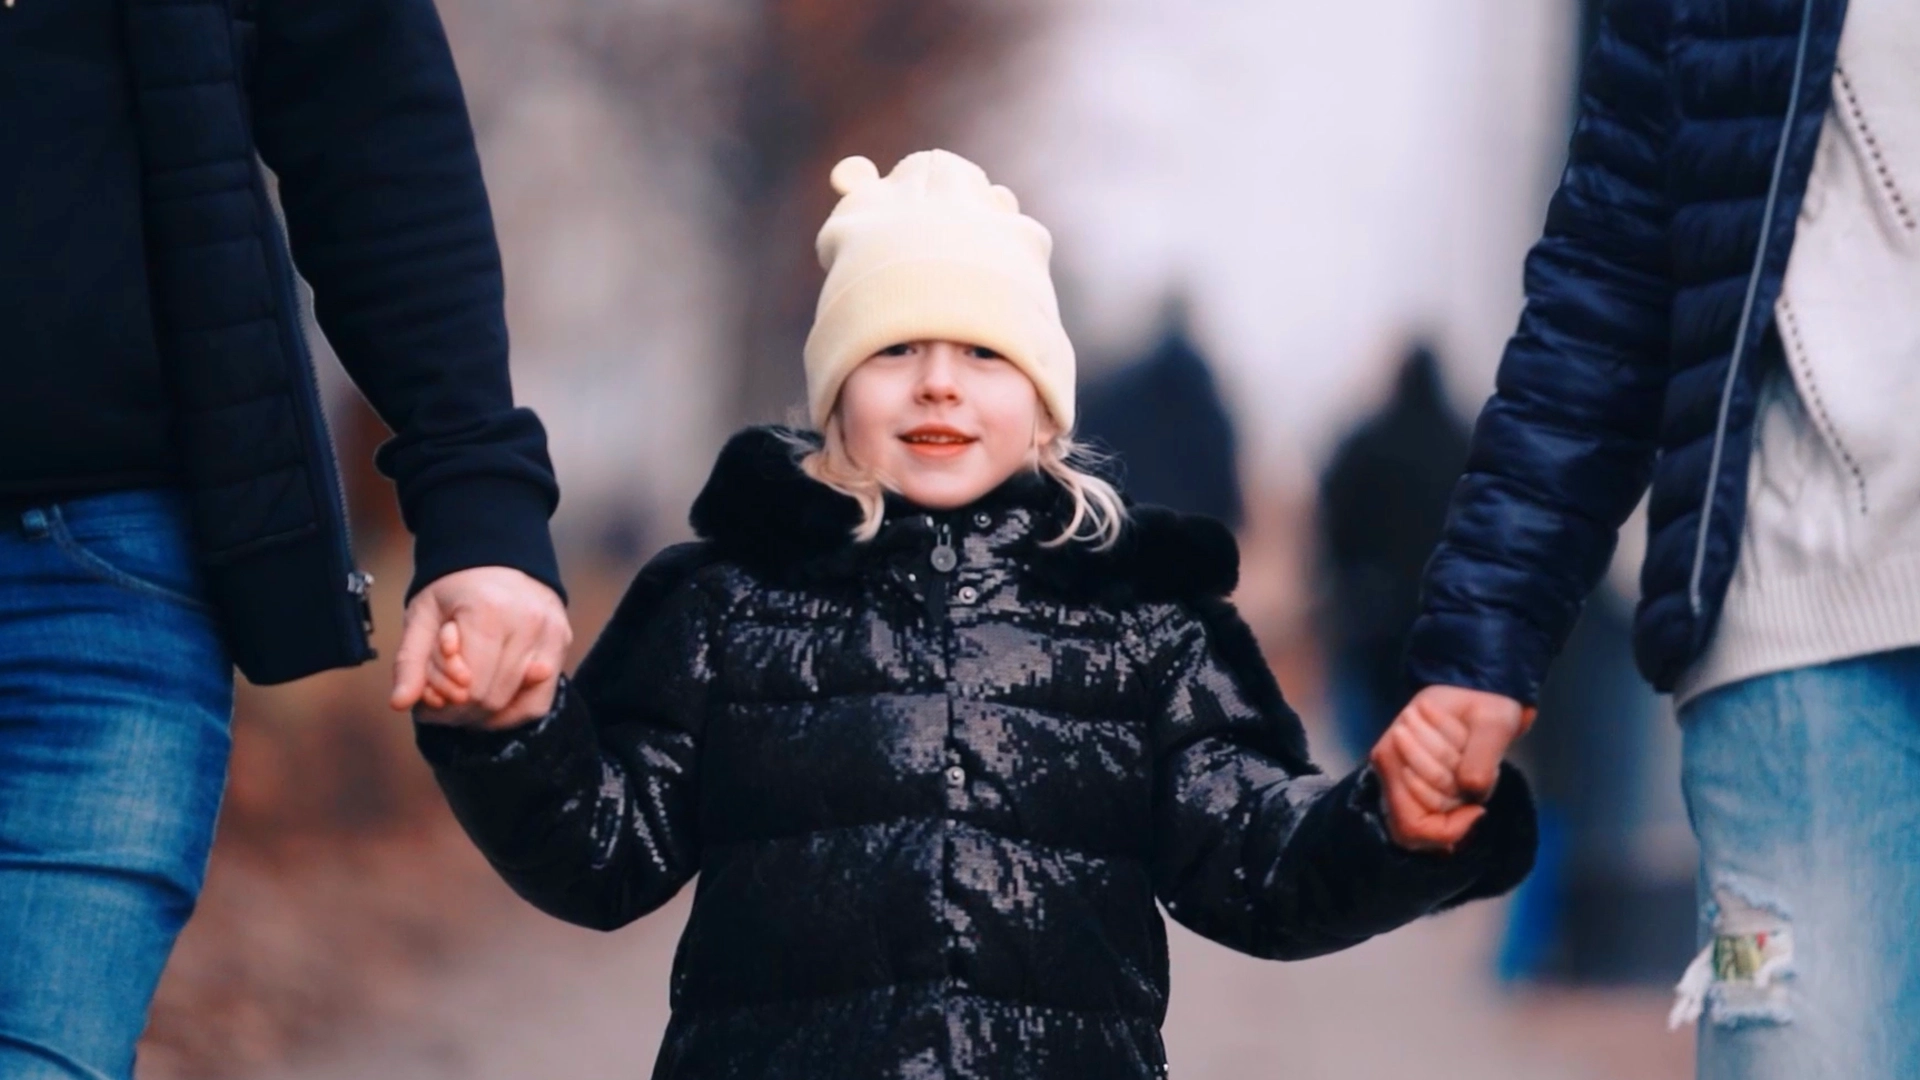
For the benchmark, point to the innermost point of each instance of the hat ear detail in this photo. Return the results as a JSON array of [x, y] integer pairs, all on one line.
[[853, 173]]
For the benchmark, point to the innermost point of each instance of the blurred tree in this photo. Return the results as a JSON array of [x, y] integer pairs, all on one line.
[[777, 92], [828, 78]]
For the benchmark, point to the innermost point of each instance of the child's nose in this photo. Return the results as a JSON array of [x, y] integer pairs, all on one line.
[[938, 373]]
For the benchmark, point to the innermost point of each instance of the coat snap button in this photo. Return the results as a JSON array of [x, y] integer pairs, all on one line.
[[944, 559], [968, 594], [956, 775], [982, 520]]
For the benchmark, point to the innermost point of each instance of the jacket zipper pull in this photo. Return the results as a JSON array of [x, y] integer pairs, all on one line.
[[359, 582]]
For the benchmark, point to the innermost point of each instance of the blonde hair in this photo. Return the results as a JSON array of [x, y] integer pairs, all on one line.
[[1098, 511]]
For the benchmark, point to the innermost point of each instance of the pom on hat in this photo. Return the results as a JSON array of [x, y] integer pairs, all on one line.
[[934, 251]]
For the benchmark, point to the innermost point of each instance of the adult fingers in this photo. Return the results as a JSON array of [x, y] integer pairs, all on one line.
[[1445, 751], [509, 671], [1447, 722], [1487, 744], [534, 701], [549, 656], [416, 643], [1409, 824], [1422, 765], [483, 637], [1432, 798]]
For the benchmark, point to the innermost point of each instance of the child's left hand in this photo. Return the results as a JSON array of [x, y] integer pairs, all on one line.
[[1418, 761], [449, 680], [448, 695]]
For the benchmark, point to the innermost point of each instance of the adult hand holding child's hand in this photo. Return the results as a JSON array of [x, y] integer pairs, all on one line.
[[482, 648], [1439, 760]]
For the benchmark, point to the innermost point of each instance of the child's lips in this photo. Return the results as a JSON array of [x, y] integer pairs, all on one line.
[[937, 442]]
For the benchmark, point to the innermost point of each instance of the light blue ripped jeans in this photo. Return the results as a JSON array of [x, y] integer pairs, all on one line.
[[1804, 791]]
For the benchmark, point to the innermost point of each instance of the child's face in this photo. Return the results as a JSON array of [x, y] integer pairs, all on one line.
[[942, 423]]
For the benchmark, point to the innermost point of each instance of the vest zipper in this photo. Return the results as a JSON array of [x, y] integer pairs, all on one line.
[[1694, 601]]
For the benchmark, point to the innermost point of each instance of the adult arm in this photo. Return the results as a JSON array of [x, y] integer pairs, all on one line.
[[359, 112], [1565, 448]]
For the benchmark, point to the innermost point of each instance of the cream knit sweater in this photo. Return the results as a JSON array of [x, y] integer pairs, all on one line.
[[1829, 564]]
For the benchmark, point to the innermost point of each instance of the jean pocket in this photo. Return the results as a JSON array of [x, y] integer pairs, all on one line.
[[147, 554]]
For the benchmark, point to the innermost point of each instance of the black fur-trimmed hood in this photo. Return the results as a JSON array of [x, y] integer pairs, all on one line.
[[759, 509]]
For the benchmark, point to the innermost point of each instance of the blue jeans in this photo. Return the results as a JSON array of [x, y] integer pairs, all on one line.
[[1804, 790], [115, 696]]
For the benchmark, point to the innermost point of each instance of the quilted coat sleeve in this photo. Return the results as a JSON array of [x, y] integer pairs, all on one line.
[[359, 111], [1565, 448], [1257, 850], [589, 813]]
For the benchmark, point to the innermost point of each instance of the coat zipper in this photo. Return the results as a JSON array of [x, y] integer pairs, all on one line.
[[357, 582], [325, 473], [1694, 601], [943, 558]]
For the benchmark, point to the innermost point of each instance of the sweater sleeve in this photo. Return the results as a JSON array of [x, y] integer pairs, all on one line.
[[1565, 448], [590, 813], [358, 109], [1255, 849]]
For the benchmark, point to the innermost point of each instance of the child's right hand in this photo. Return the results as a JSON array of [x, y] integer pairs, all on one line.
[[447, 697]]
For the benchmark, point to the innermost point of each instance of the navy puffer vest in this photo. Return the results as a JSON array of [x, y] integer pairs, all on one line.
[[1640, 354]]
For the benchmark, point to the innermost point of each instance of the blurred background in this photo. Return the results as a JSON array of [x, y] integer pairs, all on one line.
[[1289, 239]]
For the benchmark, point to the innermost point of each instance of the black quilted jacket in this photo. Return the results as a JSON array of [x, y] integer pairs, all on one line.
[[933, 785]]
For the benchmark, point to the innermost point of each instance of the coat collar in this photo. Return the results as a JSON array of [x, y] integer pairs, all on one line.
[[760, 510]]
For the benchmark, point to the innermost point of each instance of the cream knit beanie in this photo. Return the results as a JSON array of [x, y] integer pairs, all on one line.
[[934, 252]]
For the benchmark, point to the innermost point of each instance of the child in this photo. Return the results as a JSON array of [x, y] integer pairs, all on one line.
[[934, 716]]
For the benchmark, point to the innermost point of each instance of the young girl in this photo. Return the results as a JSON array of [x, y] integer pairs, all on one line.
[[934, 716]]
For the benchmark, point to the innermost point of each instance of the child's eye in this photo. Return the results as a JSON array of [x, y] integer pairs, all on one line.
[[981, 352], [905, 348]]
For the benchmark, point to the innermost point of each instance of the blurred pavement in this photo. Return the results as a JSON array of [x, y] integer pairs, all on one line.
[[561, 1002]]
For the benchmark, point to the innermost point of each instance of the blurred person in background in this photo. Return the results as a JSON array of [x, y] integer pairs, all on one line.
[[169, 506], [1383, 498], [1586, 913], [1723, 305], [1162, 417], [933, 715]]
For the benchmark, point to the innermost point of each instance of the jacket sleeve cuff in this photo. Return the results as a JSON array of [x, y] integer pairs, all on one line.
[[1496, 855], [1504, 842], [1478, 651], [483, 521]]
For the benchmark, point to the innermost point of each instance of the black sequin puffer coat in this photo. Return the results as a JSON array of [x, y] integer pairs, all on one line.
[[932, 786]]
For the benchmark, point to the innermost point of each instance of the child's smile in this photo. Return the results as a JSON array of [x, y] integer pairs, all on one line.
[[938, 441], [941, 422]]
